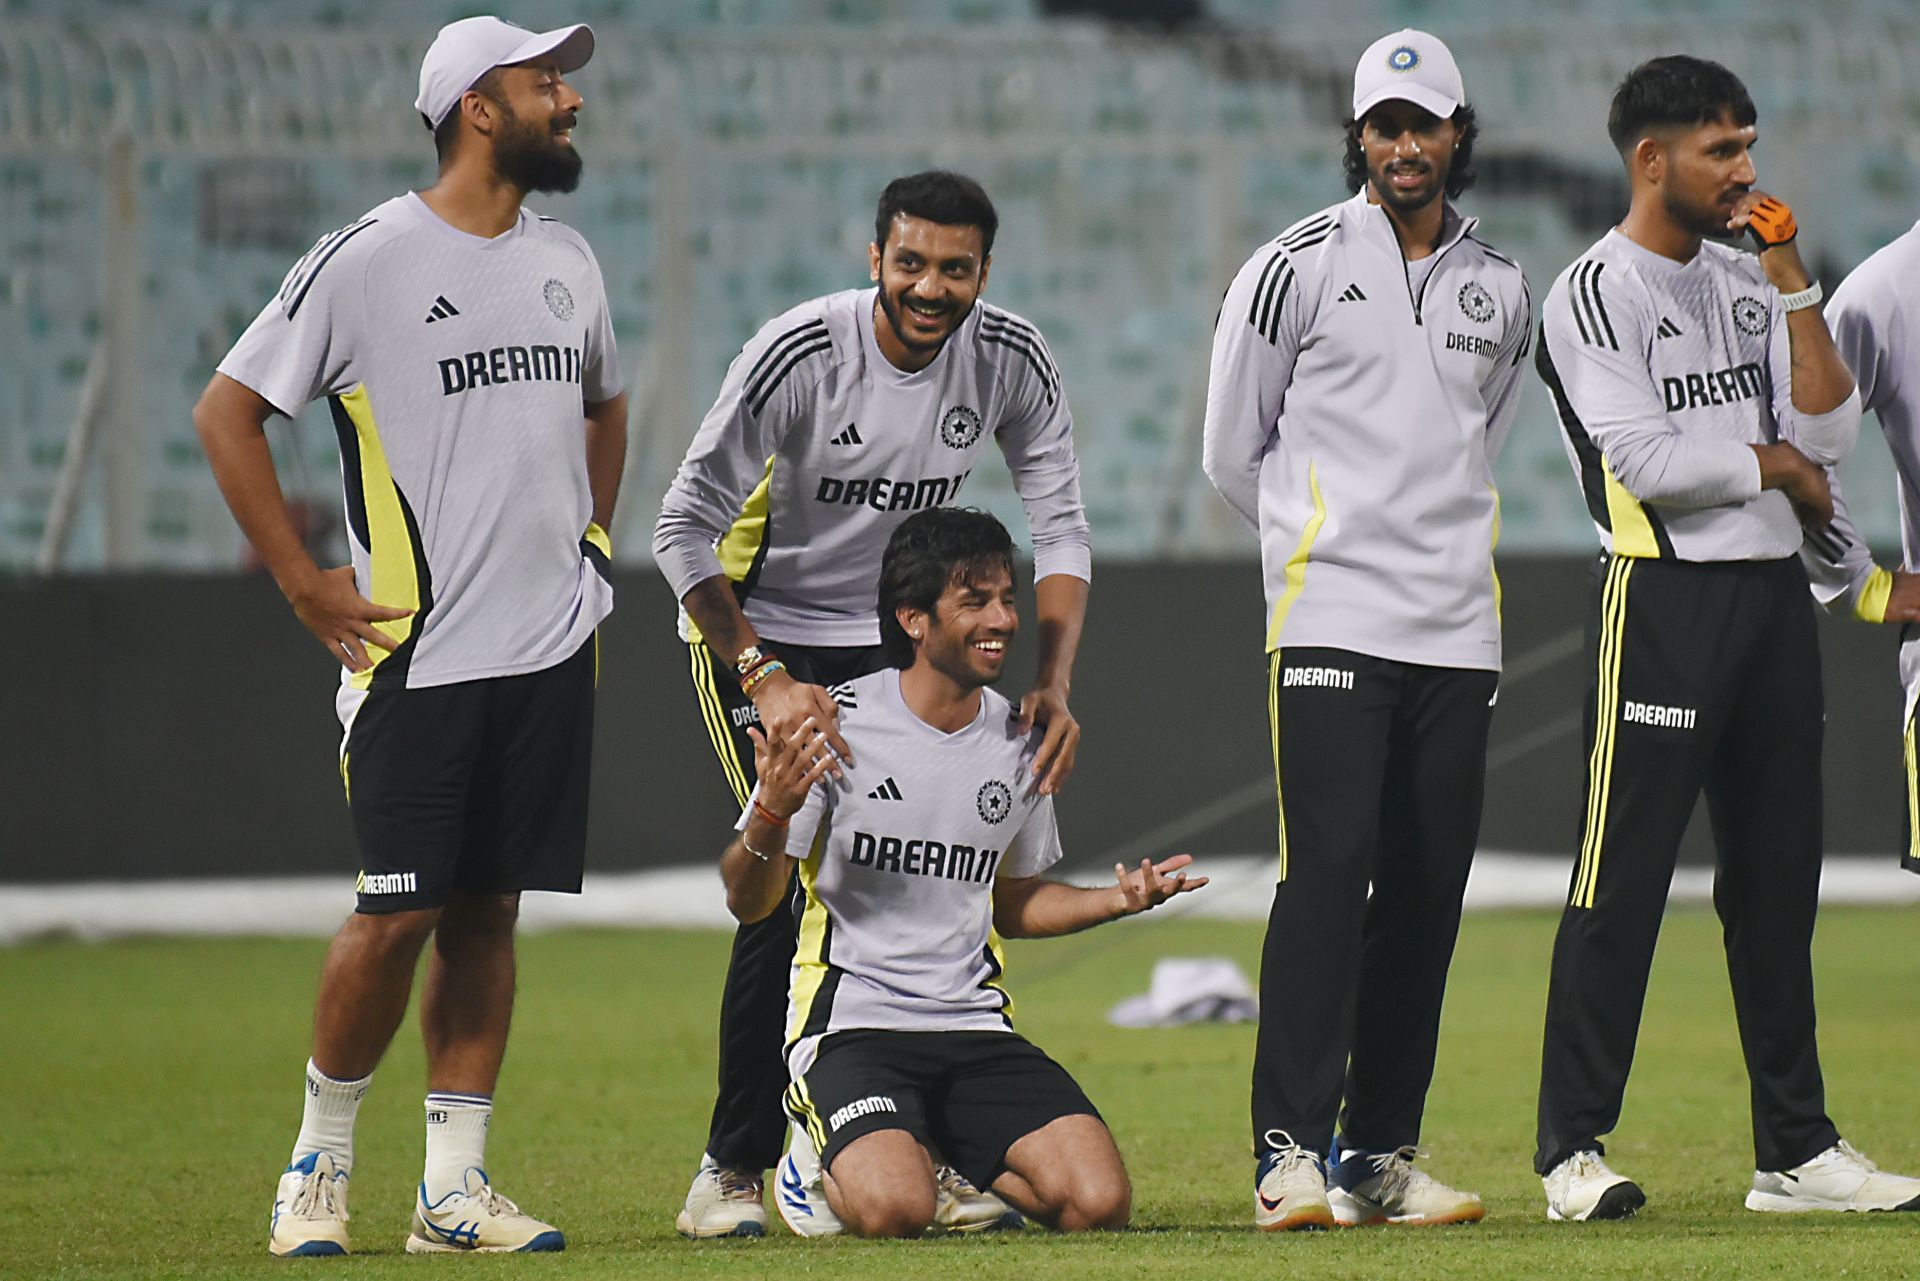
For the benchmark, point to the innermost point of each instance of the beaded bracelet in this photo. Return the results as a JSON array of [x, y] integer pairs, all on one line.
[[758, 676]]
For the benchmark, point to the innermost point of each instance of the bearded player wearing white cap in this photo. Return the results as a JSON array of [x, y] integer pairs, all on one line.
[[465, 350], [1366, 368]]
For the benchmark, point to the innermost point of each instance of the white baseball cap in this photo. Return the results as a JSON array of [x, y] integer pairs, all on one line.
[[468, 49], [1410, 65]]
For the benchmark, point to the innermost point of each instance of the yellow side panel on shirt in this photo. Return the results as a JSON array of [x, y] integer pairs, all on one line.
[[1912, 754], [996, 980], [745, 541], [391, 551], [810, 957], [1606, 719], [1296, 576], [1632, 530]]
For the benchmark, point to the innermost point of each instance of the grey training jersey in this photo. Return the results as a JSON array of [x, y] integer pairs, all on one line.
[[1874, 325], [818, 447], [1664, 374], [899, 861], [1353, 418], [457, 369]]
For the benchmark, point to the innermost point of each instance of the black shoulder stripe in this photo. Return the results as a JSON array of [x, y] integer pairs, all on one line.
[[1600, 305], [1039, 368], [1029, 340], [1308, 242], [1583, 306], [1276, 300], [1311, 227], [777, 352], [1493, 253], [298, 274], [797, 357], [1260, 289], [321, 265], [546, 218]]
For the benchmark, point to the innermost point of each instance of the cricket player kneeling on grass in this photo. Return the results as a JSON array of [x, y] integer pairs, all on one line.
[[917, 853]]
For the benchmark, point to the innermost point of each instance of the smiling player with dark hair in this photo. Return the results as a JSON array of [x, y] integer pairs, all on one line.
[[1366, 370], [914, 862], [838, 420]]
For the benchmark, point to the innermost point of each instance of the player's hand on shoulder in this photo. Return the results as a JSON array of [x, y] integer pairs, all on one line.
[[331, 607], [789, 765], [1151, 884], [785, 703], [1046, 705]]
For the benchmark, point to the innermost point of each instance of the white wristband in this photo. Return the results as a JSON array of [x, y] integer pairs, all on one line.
[[1808, 297]]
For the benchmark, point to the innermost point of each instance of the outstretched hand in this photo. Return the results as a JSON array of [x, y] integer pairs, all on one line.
[[1149, 885]]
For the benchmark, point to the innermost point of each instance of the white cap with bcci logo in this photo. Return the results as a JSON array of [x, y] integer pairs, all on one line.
[[468, 49], [1410, 65]]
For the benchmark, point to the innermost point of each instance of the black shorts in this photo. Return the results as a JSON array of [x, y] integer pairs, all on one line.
[[727, 712], [968, 1096], [480, 785]]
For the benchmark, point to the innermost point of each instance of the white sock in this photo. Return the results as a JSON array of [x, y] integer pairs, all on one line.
[[456, 1140], [327, 1124]]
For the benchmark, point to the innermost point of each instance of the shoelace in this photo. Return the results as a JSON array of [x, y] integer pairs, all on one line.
[[1395, 1170], [1586, 1164], [954, 1183], [493, 1203], [1289, 1153], [315, 1199], [1856, 1156], [736, 1185]]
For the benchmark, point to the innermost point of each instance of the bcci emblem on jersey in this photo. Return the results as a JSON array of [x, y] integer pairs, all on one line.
[[1476, 304], [960, 428], [1751, 315], [994, 801], [559, 300]]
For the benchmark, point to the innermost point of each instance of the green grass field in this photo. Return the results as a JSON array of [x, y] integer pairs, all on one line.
[[149, 1091]]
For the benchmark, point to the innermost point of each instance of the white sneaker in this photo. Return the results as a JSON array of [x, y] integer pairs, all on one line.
[[1838, 1179], [1290, 1193], [1387, 1189], [723, 1202], [799, 1193], [476, 1218], [1582, 1188], [309, 1209], [961, 1207]]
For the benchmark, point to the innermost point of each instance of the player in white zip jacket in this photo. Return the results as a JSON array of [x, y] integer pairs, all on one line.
[[1366, 368]]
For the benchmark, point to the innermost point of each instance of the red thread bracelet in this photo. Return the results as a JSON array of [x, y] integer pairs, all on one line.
[[768, 815]]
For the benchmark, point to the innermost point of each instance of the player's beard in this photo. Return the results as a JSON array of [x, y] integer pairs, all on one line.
[[1408, 203], [890, 305], [1709, 222], [532, 158]]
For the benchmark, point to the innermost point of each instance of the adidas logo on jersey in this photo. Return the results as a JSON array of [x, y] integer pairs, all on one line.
[[887, 791], [851, 436], [1668, 329], [1353, 294], [441, 309]]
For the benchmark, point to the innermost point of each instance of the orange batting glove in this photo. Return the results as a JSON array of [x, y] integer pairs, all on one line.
[[1771, 224]]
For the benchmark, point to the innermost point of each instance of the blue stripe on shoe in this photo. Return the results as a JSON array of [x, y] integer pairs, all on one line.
[[313, 1250]]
